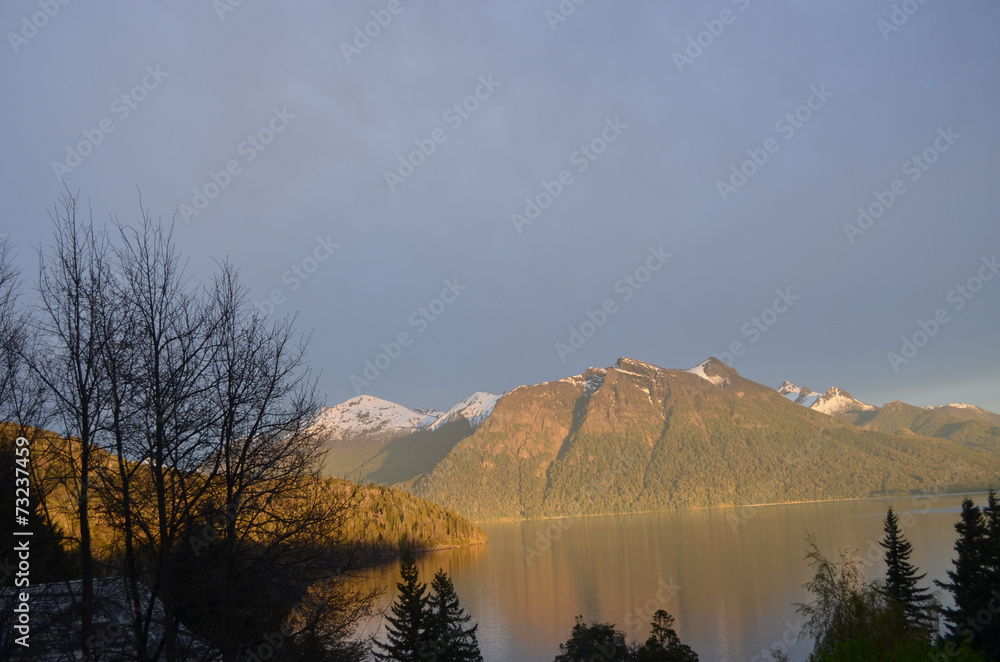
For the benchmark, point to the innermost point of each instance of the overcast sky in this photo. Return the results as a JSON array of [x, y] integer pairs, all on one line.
[[388, 170]]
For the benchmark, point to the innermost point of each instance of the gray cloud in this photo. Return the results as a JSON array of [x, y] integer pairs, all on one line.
[[323, 177]]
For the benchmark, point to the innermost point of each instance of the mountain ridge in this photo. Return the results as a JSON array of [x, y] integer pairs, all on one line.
[[637, 437]]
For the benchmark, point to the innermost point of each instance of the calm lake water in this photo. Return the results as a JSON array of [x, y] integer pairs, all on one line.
[[729, 576]]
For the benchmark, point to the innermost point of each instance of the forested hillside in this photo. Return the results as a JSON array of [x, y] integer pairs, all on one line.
[[373, 519], [636, 437]]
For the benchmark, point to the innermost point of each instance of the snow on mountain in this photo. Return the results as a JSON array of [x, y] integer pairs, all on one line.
[[366, 414], [788, 387], [957, 405], [594, 381], [636, 368], [839, 401], [475, 409], [799, 395], [699, 370], [591, 379]]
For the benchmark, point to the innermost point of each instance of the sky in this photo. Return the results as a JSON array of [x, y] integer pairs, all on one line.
[[455, 197]]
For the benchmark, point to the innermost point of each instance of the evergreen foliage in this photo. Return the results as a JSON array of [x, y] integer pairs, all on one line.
[[449, 639], [408, 625], [427, 627], [975, 580], [901, 579], [854, 620], [969, 576]]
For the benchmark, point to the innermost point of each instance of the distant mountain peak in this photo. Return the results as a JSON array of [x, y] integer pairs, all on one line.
[[834, 401], [715, 371], [475, 409], [958, 405], [800, 395], [366, 414], [788, 387], [839, 401]]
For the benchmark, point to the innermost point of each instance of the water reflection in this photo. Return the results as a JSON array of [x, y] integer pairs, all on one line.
[[730, 581]]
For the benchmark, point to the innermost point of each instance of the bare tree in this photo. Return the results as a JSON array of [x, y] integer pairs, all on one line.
[[11, 337], [71, 286], [20, 394], [186, 420], [163, 384], [276, 526]]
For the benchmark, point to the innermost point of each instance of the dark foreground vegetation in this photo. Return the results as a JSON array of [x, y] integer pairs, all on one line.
[[160, 433], [892, 619], [897, 618]]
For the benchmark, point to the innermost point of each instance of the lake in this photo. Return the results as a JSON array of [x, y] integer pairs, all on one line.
[[729, 576]]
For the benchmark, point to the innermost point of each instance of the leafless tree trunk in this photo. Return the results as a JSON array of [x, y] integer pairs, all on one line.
[[275, 516], [173, 346], [11, 336], [188, 414], [71, 286]]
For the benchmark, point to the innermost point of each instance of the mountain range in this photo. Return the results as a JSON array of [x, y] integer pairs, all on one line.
[[635, 437]]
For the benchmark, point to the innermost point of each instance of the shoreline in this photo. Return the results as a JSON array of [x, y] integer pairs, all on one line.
[[730, 506]]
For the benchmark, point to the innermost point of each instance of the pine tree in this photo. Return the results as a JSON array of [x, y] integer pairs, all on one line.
[[991, 517], [407, 629], [663, 644], [448, 639], [968, 579], [901, 578], [991, 583]]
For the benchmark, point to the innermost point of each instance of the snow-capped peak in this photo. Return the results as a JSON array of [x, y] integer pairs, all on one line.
[[366, 414], [475, 409], [839, 401], [788, 387], [799, 395], [718, 380], [957, 405]]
